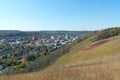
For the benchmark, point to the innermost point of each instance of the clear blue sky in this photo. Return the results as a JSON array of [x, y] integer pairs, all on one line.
[[38, 15]]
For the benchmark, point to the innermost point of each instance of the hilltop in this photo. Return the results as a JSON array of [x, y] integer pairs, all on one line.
[[93, 57]]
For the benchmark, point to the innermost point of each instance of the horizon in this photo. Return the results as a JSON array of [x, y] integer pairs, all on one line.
[[55, 15], [46, 30]]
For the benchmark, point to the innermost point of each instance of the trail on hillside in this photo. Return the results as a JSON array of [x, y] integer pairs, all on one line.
[[96, 45]]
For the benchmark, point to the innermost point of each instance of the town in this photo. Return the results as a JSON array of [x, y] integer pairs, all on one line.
[[17, 52]]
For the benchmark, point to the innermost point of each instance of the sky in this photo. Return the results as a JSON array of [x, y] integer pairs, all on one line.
[[36, 15]]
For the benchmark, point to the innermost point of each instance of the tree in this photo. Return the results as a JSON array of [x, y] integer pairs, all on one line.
[[24, 58], [30, 57], [15, 60]]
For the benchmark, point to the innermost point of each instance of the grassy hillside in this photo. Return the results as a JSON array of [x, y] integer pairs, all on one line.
[[86, 60]]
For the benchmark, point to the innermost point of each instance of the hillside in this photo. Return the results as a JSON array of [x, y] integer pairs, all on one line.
[[87, 60]]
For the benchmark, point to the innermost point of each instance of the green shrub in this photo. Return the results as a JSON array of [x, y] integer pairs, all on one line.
[[20, 66]]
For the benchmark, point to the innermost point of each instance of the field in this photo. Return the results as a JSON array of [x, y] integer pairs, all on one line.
[[86, 60]]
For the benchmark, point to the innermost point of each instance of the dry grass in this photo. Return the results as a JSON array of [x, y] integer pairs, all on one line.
[[101, 72], [100, 63]]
